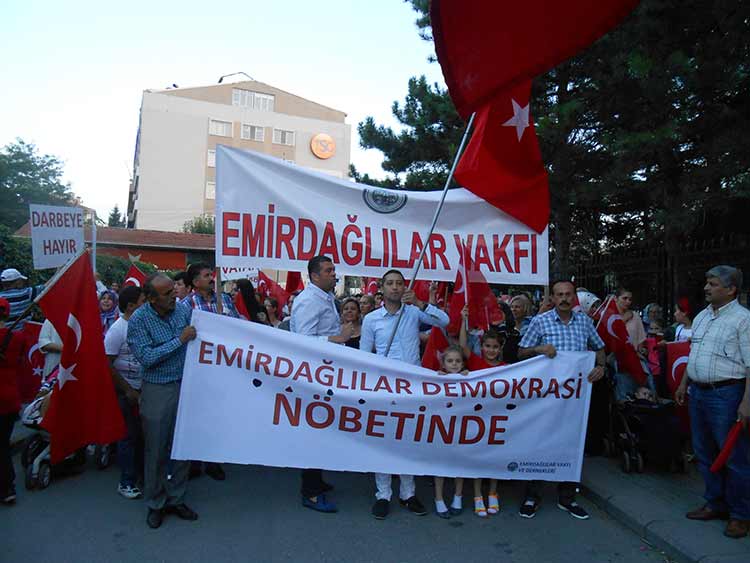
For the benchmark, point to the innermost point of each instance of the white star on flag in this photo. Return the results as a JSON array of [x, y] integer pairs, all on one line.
[[520, 119], [66, 374], [37, 372]]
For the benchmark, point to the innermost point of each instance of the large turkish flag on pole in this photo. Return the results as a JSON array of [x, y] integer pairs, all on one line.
[[83, 408], [502, 163], [486, 46]]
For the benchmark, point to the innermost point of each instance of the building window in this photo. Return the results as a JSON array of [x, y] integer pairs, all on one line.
[[252, 132], [220, 128], [252, 100], [211, 158], [210, 190], [281, 137]]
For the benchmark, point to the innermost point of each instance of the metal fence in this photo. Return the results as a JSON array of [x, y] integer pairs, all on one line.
[[654, 275]]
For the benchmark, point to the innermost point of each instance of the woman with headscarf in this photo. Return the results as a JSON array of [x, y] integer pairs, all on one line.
[[108, 311]]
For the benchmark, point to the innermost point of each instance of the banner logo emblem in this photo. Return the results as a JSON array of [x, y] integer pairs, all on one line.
[[384, 201], [512, 466]]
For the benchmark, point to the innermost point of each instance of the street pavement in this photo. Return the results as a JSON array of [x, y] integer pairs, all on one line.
[[255, 515]]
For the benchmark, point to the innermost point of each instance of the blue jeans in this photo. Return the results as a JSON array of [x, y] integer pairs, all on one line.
[[713, 412], [130, 448]]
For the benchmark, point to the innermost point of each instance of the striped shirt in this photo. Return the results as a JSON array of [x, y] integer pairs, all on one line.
[[20, 299], [720, 345], [578, 335], [195, 300], [155, 342]]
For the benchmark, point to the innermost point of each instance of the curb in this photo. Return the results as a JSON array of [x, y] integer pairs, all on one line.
[[630, 522]]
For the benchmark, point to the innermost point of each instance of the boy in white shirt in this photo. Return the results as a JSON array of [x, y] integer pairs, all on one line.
[[126, 375]]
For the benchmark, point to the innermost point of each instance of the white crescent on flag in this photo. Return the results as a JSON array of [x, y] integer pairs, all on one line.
[[610, 321], [132, 280], [33, 349], [76, 328], [678, 362]]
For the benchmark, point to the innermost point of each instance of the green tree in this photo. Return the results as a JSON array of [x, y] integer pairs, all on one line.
[[29, 177], [116, 219], [203, 224], [113, 268]]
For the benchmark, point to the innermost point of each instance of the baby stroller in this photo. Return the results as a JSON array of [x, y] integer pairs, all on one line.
[[646, 431], [35, 457]]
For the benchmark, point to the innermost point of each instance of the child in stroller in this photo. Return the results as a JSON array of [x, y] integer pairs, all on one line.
[[646, 429], [35, 456]]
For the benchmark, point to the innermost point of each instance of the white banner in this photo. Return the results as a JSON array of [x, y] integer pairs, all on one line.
[[272, 214], [56, 234], [252, 394]]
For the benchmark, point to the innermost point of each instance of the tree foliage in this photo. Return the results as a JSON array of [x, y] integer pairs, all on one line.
[[29, 177], [203, 224], [116, 219], [113, 268], [643, 134]]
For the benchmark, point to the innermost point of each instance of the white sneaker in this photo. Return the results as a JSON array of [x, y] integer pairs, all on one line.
[[129, 492]]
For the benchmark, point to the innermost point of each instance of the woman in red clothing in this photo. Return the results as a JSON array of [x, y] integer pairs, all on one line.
[[11, 344]]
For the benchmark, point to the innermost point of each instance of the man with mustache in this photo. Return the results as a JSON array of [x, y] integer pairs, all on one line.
[[718, 374], [565, 330]]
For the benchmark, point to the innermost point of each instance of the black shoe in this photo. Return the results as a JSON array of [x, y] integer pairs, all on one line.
[[9, 497], [215, 471], [327, 487], [380, 509], [154, 518], [528, 508], [413, 505], [182, 511], [574, 509]]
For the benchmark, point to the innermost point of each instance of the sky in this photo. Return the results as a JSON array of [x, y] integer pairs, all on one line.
[[73, 73]]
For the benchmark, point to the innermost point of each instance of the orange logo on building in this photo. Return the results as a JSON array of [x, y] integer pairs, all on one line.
[[323, 146]]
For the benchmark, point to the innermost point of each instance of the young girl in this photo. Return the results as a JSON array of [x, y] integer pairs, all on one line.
[[492, 346], [452, 361]]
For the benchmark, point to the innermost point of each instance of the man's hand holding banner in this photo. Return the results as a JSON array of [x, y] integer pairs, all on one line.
[[255, 395]]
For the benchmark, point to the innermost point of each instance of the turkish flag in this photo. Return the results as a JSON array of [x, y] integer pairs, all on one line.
[[83, 408], [421, 290], [272, 289], [370, 286], [294, 282], [502, 163], [677, 359], [726, 451], [471, 287], [32, 364], [613, 331], [485, 46], [435, 345], [134, 277]]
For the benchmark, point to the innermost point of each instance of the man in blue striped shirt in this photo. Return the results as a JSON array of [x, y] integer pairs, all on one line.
[[18, 295], [157, 334], [565, 330]]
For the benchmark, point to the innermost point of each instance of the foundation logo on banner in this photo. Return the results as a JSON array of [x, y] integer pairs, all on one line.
[[512, 466], [384, 201]]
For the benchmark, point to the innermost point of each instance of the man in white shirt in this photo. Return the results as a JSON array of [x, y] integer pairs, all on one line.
[[718, 375], [400, 306], [126, 375], [315, 314]]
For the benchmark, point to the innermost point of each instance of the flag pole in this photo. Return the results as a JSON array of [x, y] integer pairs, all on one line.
[[439, 208]]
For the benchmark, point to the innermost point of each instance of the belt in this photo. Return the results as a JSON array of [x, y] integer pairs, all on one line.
[[722, 383]]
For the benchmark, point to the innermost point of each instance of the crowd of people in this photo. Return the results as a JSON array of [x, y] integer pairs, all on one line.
[[146, 330]]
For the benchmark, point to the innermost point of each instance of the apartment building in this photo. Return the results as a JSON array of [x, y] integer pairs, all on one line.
[[174, 172]]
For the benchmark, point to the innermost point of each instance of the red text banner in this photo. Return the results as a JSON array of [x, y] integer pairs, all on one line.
[[252, 394], [272, 214]]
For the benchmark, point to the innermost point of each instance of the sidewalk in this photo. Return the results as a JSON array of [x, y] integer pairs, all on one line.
[[653, 504]]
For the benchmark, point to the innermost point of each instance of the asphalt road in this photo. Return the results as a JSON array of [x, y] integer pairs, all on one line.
[[255, 515]]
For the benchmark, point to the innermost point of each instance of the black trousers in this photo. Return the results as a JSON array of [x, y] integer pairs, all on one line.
[[566, 491], [7, 473], [312, 482], [598, 423]]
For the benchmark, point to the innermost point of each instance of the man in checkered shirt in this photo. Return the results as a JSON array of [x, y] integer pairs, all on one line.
[[718, 379], [565, 330]]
